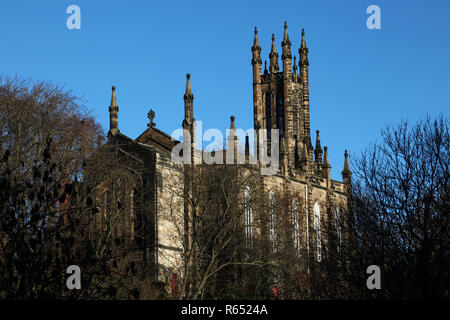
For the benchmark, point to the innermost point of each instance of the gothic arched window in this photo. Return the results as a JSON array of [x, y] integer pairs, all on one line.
[[280, 112], [317, 230], [248, 216], [268, 113]]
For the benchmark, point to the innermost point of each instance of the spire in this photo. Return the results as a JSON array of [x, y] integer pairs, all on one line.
[[318, 150], [286, 36], [113, 114], [303, 44], [346, 173], [346, 166], [326, 163], [274, 47], [265, 67], [189, 122], [256, 50], [255, 41], [303, 51], [188, 92], [273, 55], [113, 97], [304, 82], [188, 103], [286, 45], [256, 68], [326, 168]]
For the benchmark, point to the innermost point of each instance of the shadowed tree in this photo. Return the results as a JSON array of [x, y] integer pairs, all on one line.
[[401, 204]]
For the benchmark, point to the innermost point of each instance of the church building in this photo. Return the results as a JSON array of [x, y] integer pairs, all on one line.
[[280, 101]]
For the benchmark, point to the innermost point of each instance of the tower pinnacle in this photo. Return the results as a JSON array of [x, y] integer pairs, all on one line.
[[113, 113], [188, 103], [318, 150], [256, 50], [303, 51], [286, 47], [273, 55], [346, 173]]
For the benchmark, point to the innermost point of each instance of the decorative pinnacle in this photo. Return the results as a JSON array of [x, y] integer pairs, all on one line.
[[151, 116], [188, 83], [274, 48], [303, 44], [188, 94], [286, 36], [232, 126], [326, 163], [255, 41], [273, 55], [346, 165], [286, 44], [318, 146], [113, 97]]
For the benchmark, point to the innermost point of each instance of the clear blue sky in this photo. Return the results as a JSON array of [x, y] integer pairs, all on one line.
[[360, 79]]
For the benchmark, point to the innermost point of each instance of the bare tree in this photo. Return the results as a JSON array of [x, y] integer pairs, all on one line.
[[401, 203], [48, 206]]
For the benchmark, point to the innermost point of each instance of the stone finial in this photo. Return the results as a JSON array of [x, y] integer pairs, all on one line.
[[151, 115]]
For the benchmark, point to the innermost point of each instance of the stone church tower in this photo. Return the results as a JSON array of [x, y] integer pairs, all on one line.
[[280, 101]]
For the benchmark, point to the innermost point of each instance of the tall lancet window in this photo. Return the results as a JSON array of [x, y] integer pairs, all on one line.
[[337, 219], [295, 225], [272, 221], [280, 112], [268, 113], [248, 216], [317, 230]]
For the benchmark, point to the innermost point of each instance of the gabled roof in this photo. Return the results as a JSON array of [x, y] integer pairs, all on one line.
[[157, 138]]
